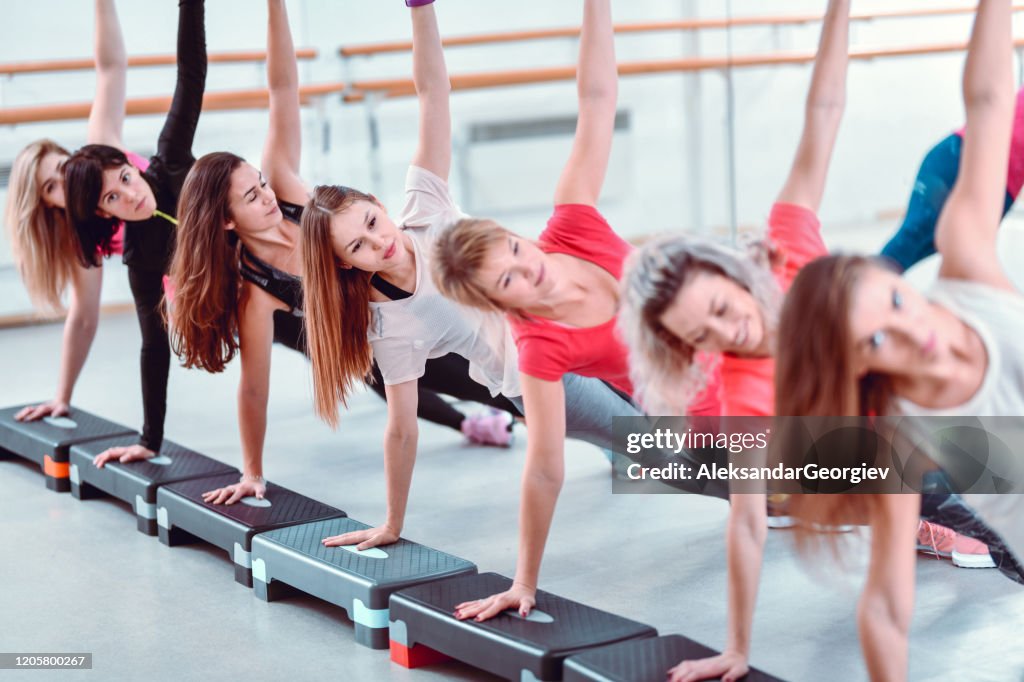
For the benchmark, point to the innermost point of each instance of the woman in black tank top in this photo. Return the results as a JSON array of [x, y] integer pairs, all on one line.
[[237, 272]]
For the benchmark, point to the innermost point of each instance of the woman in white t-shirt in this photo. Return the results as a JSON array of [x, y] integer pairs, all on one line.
[[856, 339], [369, 293]]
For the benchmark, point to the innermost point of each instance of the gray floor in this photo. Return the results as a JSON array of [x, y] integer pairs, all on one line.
[[77, 577]]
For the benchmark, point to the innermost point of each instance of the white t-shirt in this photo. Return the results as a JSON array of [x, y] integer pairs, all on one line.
[[997, 316], [406, 333]]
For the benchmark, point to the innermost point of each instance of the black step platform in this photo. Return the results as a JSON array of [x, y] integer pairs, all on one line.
[[642, 660], [182, 516], [359, 582], [136, 482], [46, 441], [508, 645]]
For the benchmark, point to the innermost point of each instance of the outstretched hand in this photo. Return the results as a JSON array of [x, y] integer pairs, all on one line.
[[130, 453], [518, 597], [729, 666], [230, 494], [52, 408], [364, 539]]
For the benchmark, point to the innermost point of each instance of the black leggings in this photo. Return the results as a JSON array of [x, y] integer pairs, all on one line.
[[448, 375], [155, 357]]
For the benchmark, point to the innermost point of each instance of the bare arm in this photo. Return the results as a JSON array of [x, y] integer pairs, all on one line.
[[400, 437], [966, 231], [430, 75], [745, 536], [823, 111], [542, 481], [255, 341], [887, 603], [747, 531], [283, 147], [79, 332], [106, 117], [597, 90]]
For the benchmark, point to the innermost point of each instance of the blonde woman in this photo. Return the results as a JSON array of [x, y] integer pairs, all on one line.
[[44, 243]]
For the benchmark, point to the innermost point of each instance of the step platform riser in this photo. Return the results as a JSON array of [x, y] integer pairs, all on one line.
[[506, 645], [361, 583]]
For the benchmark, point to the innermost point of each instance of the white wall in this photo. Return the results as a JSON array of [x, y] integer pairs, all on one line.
[[670, 171]]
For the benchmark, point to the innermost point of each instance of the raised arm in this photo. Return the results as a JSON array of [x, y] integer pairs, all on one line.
[[597, 88], [430, 75], [823, 111], [106, 117], [175, 142], [966, 231], [282, 150], [400, 437], [542, 482]]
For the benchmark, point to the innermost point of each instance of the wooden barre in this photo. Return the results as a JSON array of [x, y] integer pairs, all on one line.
[[402, 87], [54, 65], [651, 26], [257, 98]]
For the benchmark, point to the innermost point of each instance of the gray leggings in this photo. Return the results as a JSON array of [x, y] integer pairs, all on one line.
[[590, 405]]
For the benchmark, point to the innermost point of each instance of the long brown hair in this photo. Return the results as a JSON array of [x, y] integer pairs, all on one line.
[[205, 273], [44, 245], [335, 303], [816, 374]]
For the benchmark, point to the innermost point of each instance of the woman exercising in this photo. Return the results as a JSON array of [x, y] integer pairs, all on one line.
[[103, 187], [874, 345], [237, 273]]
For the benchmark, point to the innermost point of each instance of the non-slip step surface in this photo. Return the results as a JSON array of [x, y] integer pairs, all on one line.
[[173, 463], [359, 582], [642, 660], [280, 507], [53, 435], [183, 516], [136, 482], [391, 566], [507, 644]]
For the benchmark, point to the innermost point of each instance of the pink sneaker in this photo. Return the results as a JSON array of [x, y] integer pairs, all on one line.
[[778, 512], [489, 428], [946, 543]]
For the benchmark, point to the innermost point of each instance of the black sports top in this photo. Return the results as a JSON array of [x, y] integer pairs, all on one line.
[[283, 286]]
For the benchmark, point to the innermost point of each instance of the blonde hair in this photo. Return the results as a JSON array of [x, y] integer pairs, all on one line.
[[459, 253], [44, 245], [662, 366]]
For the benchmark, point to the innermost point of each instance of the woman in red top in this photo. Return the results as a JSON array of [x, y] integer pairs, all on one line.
[[683, 295], [562, 297]]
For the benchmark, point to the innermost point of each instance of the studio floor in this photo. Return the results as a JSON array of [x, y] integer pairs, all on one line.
[[77, 577]]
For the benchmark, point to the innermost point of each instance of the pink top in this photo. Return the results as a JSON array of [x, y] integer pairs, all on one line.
[[1015, 169], [748, 384], [117, 242], [548, 350]]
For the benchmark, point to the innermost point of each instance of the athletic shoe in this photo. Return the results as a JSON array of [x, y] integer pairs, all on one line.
[[946, 543], [489, 428], [778, 512]]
